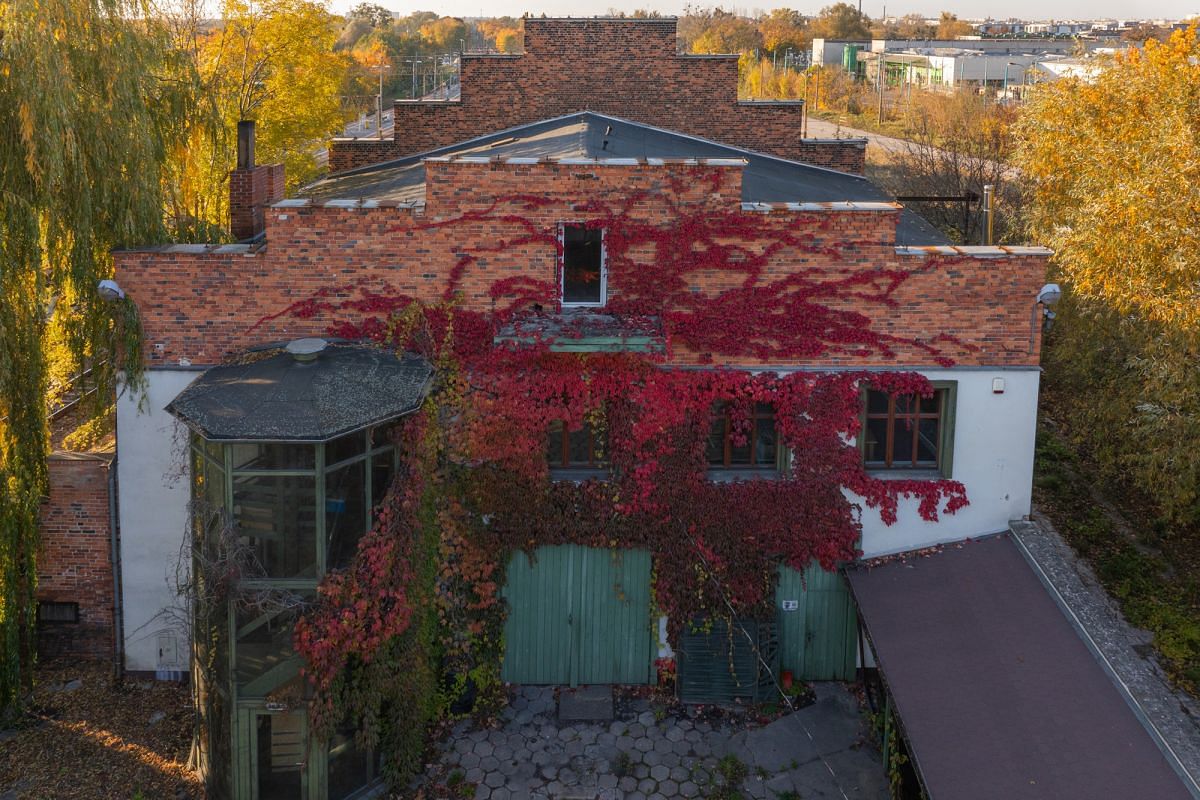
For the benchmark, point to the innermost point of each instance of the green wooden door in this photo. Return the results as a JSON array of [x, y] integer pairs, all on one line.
[[578, 615], [818, 627]]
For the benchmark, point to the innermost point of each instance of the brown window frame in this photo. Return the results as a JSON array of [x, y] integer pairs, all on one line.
[[564, 461], [727, 463], [943, 396]]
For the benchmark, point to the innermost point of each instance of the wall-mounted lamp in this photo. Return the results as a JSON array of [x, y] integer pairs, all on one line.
[[110, 290], [1048, 296]]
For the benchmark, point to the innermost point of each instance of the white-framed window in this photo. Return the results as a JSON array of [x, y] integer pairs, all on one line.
[[584, 277]]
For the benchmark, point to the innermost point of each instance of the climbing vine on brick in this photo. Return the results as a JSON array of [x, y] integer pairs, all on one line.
[[478, 478]]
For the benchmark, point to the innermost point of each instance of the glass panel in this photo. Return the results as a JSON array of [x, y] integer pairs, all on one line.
[[273, 455], [345, 512], [280, 750], [349, 765], [716, 441], [383, 469], [276, 515], [554, 445], [933, 405], [877, 402], [354, 444], [902, 442], [214, 489], [765, 441], [579, 447], [906, 404], [264, 641], [927, 443], [874, 442], [739, 454], [382, 434], [582, 271]]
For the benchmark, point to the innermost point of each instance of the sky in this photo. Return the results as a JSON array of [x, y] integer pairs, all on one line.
[[968, 9]]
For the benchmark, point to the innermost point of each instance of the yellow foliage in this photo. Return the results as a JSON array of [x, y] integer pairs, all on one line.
[[1112, 168]]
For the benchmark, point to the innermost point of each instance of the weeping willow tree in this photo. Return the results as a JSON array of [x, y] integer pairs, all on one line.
[[88, 96]]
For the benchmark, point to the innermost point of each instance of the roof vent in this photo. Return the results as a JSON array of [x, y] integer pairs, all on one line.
[[305, 350]]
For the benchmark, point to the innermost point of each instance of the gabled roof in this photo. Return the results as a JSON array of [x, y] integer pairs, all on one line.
[[589, 135]]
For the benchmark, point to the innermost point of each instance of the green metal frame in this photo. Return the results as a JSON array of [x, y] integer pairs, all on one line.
[[246, 706], [945, 468]]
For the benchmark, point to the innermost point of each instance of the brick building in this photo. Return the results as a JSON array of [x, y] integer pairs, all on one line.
[[572, 65], [511, 198]]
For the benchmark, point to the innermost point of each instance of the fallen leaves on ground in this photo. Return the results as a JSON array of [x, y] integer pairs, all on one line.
[[97, 741]]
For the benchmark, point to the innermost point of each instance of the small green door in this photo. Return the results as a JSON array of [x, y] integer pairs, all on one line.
[[578, 615], [818, 628]]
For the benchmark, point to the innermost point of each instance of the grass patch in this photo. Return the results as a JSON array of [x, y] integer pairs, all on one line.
[[1154, 592]]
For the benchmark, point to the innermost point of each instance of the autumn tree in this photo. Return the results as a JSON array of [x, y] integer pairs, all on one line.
[[840, 21], [783, 28], [273, 62], [444, 34], [914, 26], [725, 32], [1111, 167], [86, 116], [374, 15], [951, 27]]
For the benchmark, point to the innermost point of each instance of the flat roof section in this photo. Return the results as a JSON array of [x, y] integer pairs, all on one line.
[[998, 695]]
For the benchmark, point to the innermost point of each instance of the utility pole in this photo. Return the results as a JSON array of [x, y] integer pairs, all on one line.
[[379, 118], [882, 73], [989, 198]]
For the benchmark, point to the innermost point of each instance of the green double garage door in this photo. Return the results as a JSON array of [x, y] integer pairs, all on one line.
[[580, 615]]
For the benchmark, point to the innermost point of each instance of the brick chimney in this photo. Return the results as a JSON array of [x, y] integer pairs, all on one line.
[[251, 188]]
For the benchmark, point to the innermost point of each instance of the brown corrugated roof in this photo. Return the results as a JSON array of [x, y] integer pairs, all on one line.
[[998, 695]]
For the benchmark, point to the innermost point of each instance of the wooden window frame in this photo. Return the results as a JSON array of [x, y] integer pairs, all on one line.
[[778, 466], [948, 392], [562, 269], [563, 464]]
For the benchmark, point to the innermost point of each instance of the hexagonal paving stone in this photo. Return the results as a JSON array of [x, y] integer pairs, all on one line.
[[468, 760], [607, 781], [646, 718], [635, 796], [474, 775], [647, 785], [484, 749], [606, 740], [489, 763], [660, 773], [680, 774], [692, 736], [627, 784], [663, 746], [682, 748], [652, 759], [669, 759], [482, 792], [495, 780], [642, 771], [645, 745], [668, 788], [624, 743], [688, 789], [674, 734], [503, 752], [501, 794]]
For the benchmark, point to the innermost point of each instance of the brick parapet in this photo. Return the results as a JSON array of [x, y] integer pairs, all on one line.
[[250, 192], [75, 559], [202, 305], [623, 68]]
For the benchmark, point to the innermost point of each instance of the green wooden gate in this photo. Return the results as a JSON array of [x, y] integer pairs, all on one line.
[[578, 615], [818, 638]]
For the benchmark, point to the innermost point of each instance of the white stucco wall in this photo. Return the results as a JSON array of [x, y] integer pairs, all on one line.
[[993, 457], [153, 505]]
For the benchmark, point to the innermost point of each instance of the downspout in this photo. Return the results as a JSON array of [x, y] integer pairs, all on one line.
[[114, 539]]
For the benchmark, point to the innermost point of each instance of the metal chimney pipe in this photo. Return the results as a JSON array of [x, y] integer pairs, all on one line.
[[989, 195], [245, 144]]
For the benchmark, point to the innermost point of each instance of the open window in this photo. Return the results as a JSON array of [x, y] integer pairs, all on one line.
[[584, 279]]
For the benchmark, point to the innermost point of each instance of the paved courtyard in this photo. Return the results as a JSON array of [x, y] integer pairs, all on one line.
[[821, 751]]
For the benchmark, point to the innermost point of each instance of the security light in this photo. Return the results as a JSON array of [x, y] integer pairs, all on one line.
[[1050, 294], [110, 291]]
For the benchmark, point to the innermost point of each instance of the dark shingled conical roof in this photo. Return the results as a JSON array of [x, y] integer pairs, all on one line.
[[281, 398]]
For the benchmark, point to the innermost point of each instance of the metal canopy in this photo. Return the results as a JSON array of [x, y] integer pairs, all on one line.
[[582, 331], [281, 398], [997, 693]]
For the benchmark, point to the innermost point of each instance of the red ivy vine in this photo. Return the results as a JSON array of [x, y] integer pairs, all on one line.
[[713, 542]]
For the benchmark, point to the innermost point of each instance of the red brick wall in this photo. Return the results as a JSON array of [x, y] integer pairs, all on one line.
[[250, 191], [620, 67], [204, 307], [75, 562]]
